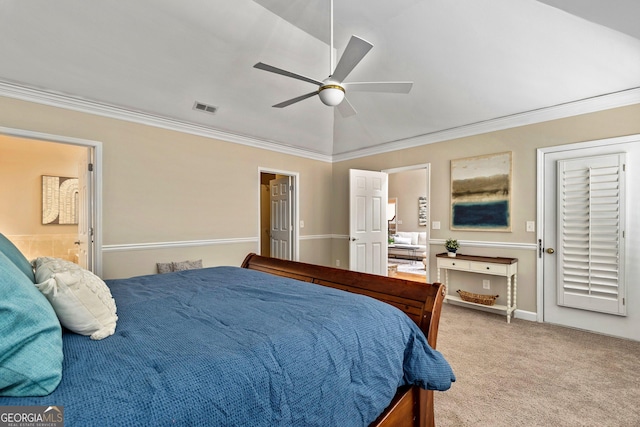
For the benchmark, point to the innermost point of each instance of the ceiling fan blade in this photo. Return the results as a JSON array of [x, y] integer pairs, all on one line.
[[391, 87], [353, 54], [296, 99], [272, 69], [346, 109]]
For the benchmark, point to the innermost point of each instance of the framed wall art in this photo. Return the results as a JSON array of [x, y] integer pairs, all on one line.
[[59, 200], [422, 211], [481, 193]]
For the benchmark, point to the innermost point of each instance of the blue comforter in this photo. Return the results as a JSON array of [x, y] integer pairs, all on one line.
[[226, 346]]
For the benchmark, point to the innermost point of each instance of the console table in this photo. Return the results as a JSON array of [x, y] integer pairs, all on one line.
[[506, 267]]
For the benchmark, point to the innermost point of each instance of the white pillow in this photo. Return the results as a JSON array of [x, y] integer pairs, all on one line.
[[414, 238], [422, 238], [398, 240], [81, 300]]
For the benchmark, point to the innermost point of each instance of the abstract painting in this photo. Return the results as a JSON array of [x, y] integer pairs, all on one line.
[[481, 193], [59, 200], [422, 211]]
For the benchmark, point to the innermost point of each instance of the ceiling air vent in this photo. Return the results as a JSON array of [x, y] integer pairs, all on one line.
[[204, 107]]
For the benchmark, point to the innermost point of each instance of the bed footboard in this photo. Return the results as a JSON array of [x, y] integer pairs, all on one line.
[[422, 302]]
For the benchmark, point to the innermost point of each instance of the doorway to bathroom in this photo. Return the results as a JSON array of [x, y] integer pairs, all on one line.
[[43, 219]]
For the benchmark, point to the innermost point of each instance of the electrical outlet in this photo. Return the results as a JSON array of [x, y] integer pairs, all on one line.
[[337, 263], [486, 284], [435, 225]]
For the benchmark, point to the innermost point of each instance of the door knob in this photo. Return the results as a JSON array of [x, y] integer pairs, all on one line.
[[550, 250]]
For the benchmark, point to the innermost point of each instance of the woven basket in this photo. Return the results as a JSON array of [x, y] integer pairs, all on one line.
[[477, 298]]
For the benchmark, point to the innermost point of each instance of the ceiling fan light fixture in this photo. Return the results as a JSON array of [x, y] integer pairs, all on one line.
[[331, 90], [331, 94]]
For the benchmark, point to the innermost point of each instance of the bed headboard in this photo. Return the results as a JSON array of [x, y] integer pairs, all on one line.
[[422, 302]]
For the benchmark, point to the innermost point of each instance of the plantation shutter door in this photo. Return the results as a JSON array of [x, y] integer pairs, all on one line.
[[590, 249]]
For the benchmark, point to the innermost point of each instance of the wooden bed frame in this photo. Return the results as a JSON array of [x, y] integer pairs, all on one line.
[[422, 302]]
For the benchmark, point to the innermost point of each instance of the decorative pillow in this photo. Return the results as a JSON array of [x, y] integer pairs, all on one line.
[[14, 254], [186, 265], [82, 301], [398, 240], [414, 237], [30, 337], [164, 267]]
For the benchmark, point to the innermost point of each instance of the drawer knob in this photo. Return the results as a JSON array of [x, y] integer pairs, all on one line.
[[453, 263], [488, 268]]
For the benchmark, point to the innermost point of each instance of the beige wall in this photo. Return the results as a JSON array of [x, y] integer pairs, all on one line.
[[407, 186], [523, 142], [22, 164], [168, 186]]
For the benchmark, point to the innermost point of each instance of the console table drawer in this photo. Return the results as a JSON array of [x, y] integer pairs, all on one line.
[[489, 268], [455, 264]]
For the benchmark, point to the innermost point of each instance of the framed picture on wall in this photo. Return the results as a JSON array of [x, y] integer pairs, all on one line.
[[481, 193], [422, 211], [59, 200]]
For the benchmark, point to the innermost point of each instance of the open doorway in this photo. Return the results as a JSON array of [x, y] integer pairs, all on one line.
[[278, 224], [29, 215], [409, 192]]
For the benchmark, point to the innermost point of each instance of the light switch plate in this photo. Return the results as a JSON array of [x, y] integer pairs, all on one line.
[[531, 226], [435, 225]]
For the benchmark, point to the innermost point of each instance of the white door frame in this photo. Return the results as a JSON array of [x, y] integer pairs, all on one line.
[[541, 152], [85, 230], [96, 196], [295, 214], [427, 167]]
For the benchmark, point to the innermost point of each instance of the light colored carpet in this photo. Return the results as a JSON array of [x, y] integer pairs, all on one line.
[[531, 374], [407, 266]]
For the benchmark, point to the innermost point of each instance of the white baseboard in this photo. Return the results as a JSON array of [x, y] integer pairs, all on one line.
[[526, 315]]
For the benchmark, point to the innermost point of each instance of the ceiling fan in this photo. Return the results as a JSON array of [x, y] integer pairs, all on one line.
[[332, 90]]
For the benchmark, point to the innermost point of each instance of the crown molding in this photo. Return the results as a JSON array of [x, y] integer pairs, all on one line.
[[561, 111], [24, 93], [584, 106]]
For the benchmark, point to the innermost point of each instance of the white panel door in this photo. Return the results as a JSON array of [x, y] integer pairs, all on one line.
[[85, 212], [281, 226], [368, 237]]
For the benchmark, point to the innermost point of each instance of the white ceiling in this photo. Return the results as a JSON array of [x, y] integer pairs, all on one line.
[[471, 61]]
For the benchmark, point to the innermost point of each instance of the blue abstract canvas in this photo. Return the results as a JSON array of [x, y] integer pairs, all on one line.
[[481, 193]]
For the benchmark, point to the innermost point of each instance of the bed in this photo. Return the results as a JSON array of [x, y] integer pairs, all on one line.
[[260, 344]]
